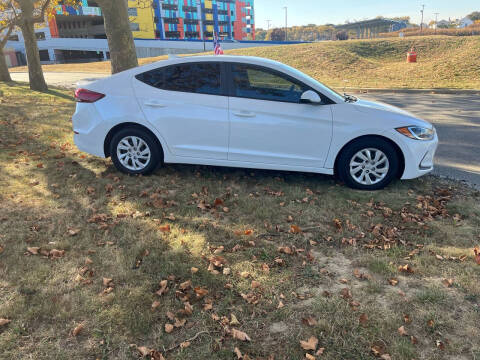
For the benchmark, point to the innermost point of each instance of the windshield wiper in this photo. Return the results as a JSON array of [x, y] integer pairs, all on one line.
[[350, 98]]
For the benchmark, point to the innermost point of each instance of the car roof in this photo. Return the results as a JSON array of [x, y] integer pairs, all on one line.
[[172, 60]]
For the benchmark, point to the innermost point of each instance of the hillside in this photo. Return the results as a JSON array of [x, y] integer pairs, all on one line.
[[444, 62]]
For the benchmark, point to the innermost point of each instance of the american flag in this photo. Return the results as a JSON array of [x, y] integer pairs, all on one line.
[[216, 45]]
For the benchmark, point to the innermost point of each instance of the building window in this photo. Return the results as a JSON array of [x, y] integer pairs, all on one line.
[[132, 12], [134, 27]]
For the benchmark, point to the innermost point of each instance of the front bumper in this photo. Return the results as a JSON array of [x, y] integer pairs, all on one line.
[[419, 155]]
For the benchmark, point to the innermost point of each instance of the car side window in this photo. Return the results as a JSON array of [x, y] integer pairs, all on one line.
[[259, 83], [198, 78]]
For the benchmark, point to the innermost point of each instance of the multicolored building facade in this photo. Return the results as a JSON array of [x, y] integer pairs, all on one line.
[[165, 19]]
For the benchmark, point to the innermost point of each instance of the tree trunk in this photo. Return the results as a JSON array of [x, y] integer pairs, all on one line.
[[35, 73], [4, 74], [120, 39]]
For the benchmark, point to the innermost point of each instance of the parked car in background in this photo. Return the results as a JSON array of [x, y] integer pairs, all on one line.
[[247, 112]]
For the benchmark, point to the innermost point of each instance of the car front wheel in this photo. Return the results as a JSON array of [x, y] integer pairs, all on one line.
[[368, 164], [135, 151]]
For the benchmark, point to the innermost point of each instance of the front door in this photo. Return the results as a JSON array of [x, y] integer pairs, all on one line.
[[186, 104], [270, 125]]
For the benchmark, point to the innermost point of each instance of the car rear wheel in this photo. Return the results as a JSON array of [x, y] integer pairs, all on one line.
[[368, 164], [135, 151]]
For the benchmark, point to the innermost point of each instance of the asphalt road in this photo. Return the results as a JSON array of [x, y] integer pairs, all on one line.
[[456, 118]]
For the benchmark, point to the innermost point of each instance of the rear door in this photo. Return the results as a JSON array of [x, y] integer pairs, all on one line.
[[186, 103], [268, 122]]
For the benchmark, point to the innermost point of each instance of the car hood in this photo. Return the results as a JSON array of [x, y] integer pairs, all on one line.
[[399, 116], [365, 104]]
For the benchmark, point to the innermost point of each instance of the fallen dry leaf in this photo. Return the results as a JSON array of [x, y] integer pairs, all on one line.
[[294, 229], [393, 281], [33, 250], [56, 254], [363, 319], [73, 232], [168, 328], [240, 335], [238, 353], [309, 357], [234, 320], [155, 305], [255, 284], [440, 344], [402, 331], [185, 344], [163, 288], [78, 329], [164, 228], [1, 249], [447, 282], [285, 249], [310, 344], [310, 321], [477, 255], [144, 351], [107, 281], [406, 269], [194, 270], [4, 322]]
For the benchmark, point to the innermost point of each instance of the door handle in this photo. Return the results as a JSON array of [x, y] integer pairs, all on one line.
[[244, 114], [154, 104]]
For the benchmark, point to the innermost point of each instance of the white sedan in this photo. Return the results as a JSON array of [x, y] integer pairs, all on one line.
[[247, 112]]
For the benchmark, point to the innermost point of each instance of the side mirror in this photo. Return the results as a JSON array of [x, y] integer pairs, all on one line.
[[310, 97]]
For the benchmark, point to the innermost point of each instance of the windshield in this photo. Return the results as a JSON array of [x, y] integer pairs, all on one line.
[[327, 89]]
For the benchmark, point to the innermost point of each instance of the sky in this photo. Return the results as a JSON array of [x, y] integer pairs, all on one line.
[[303, 12]]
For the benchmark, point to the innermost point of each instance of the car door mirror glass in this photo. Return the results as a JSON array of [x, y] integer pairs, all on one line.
[[310, 97]]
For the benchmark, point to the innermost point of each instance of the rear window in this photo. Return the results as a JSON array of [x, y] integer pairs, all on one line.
[[198, 78]]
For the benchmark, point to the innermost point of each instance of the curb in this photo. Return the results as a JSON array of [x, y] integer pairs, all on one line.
[[411, 91]]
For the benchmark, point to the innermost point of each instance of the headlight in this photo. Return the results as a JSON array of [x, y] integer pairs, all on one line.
[[417, 132]]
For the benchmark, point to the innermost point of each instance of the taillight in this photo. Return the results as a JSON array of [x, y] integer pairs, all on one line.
[[87, 96]]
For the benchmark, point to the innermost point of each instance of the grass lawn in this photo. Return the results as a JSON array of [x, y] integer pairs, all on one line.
[[443, 62], [200, 262]]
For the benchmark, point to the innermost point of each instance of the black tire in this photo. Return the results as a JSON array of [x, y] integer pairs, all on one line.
[[156, 153], [347, 154]]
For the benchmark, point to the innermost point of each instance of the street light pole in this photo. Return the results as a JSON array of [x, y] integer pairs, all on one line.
[[268, 24], [421, 24], [286, 28], [436, 22]]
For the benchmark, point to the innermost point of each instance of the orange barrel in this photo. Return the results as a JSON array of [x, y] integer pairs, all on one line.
[[411, 57]]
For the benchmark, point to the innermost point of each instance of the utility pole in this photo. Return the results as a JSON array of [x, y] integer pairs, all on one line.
[[286, 28], [268, 24], [421, 24], [436, 21]]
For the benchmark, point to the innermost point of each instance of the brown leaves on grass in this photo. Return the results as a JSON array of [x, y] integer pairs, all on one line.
[[406, 269], [447, 282], [310, 344], [4, 322], [53, 254], [393, 281], [476, 251], [402, 331], [163, 288], [77, 330], [310, 321], [363, 319], [1, 249], [294, 229], [240, 335]]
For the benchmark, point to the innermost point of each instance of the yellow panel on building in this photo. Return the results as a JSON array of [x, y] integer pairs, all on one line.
[[208, 4], [141, 17]]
